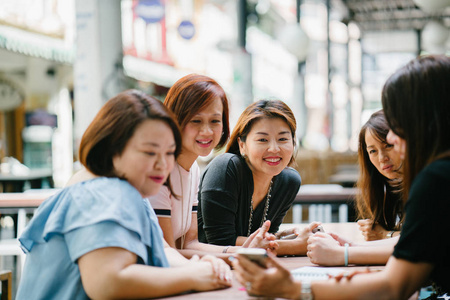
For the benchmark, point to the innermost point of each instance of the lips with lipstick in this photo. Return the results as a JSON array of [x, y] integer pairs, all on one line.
[[273, 161], [204, 143], [157, 179]]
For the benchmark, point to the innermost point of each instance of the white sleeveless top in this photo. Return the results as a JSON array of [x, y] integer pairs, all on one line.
[[185, 186]]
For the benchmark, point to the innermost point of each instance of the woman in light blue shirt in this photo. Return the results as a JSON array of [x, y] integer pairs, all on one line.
[[99, 238]]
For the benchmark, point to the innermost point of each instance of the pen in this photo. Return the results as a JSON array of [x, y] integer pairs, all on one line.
[[289, 237]]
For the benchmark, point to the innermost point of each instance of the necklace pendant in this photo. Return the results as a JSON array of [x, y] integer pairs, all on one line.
[[266, 209]]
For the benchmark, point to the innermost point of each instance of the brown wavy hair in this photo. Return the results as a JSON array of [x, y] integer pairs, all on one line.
[[115, 124], [256, 111], [416, 102], [378, 197], [192, 93]]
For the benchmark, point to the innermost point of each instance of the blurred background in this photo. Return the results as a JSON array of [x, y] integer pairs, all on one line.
[[60, 60]]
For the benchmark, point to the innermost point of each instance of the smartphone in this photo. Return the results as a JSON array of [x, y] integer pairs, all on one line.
[[318, 229], [256, 255]]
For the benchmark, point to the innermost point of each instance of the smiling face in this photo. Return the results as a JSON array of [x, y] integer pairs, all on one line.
[[202, 133], [383, 157], [148, 157], [269, 146]]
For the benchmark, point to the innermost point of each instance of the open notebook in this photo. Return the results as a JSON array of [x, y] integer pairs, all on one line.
[[315, 273]]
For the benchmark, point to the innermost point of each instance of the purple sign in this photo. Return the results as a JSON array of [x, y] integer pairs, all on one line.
[[186, 29], [151, 11]]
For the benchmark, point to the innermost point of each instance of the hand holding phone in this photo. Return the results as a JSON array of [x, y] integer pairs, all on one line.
[[256, 255]]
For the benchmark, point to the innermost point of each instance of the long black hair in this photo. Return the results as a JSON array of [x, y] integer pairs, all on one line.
[[379, 198], [416, 102]]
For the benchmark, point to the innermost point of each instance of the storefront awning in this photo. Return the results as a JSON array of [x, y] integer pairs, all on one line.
[[36, 45]]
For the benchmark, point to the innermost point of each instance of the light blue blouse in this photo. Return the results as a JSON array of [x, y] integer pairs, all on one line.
[[98, 213]]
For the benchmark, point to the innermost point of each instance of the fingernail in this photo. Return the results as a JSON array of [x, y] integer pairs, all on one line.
[[231, 258]]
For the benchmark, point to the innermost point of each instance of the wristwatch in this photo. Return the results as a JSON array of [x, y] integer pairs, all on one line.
[[305, 293], [390, 234]]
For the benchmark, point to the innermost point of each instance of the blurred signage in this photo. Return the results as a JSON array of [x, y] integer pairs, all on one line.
[[186, 29], [151, 11], [162, 39], [144, 33]]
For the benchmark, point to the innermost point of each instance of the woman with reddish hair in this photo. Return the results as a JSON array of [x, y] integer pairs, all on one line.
[[200, 106]]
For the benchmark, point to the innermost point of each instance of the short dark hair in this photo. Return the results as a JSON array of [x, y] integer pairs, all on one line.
[[192, 93], [416, 102], [256, 111], [115, 124]]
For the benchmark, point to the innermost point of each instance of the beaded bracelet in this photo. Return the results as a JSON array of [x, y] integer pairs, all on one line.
[[305, 292]]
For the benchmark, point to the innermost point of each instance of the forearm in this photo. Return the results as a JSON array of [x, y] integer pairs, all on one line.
[[355, 255], [395, 234], [224, 256], [291, 247], [140, 281], [373, 286], [378, 255], [399, 280], [175, 258], [389, 234], [370, 286]]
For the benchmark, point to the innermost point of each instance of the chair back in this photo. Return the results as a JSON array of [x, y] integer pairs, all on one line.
[[6, 280]]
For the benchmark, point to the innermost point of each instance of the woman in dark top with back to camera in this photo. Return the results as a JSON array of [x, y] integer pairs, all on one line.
[[416, 102], [252, 183]]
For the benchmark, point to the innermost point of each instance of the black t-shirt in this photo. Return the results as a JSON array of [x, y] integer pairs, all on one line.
[[425, 234], [225, 192]]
